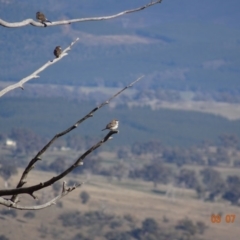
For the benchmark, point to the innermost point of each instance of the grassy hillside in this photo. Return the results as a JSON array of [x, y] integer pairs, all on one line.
[[136, 198], [174, 127]]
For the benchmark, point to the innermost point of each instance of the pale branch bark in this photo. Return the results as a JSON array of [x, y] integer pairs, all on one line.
[[35, 74], [30, 190], [31, 164], [65, 191], [63, 22]]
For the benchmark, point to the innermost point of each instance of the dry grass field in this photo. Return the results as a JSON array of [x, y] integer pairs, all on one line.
[[229, 111], [118, 198]]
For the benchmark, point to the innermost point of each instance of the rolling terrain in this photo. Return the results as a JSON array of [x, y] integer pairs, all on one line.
[[119, 198], [192, 47], [176, 126]]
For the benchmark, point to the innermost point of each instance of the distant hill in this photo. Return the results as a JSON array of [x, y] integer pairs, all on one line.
[[138, 124], [193, 45]]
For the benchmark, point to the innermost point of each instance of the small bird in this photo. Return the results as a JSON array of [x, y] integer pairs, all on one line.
[[113, 125], [57, 51], [41, 18]]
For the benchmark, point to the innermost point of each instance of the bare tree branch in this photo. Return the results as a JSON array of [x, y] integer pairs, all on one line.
[[35, 74], [31, 164], [38, 24], [13, 202], [65, 191], [30, 190]]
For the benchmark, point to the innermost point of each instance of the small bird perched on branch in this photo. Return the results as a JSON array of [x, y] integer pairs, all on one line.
[[57, 51], [41, 18], [113, 125]]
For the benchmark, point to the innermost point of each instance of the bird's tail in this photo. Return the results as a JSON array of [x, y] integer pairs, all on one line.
[[48, 21]]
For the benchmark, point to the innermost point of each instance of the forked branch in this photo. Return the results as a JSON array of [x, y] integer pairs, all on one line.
[[65, 191], [40, 153], [35, 74], [63, 22], [30, 190]]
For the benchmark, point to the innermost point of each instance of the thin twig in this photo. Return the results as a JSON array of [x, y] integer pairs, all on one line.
[[30, 190], [35, 74], [63, 22], [31, 164], [65, 191]]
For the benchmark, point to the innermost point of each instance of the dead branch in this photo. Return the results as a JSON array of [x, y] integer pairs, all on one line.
[[30, 190], [31, 164], [35, 74], [13, 202], [63, 22], [65, 191]]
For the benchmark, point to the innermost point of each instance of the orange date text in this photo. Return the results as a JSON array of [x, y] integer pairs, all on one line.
[[228, 218]]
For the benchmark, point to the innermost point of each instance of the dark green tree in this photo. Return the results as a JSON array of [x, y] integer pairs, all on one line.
[[187, 225], [122, 153], [27, 140], [7, 170], [120, 170], [232, 192], [58, 165], [116, 235], [84, 197], [157, 173], [201, 227], [213, 182], [150, 225], [3, 237], [229, 140], [153, 147], [176, 155], [188, 178]]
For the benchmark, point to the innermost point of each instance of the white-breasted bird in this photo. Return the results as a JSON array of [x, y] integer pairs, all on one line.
[[113, 125]]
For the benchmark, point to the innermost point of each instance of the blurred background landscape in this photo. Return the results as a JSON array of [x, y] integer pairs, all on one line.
[[178, 151]]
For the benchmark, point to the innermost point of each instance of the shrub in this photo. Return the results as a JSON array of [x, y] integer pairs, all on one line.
[[29, 215], [84, 197]]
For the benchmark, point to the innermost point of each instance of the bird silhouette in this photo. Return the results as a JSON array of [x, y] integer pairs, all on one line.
[[57, 51], [41, 18]]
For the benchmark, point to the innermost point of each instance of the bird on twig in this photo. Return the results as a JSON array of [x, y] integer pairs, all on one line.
[[113, 125], [57, 51], [41, 18]]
